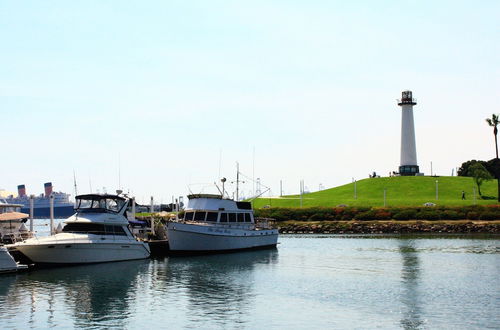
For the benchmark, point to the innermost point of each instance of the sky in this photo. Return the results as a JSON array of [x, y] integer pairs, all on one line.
[[163, 98]]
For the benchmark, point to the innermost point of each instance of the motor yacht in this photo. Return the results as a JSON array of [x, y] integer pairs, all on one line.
[[213, 224], [97, 232], [7, 263]]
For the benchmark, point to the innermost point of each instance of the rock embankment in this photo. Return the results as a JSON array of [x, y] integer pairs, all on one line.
[[382, 227]]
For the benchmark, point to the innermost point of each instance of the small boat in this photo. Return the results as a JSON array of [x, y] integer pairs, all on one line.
[[12, 223], [7, 263], [98, 232], [213, 224]]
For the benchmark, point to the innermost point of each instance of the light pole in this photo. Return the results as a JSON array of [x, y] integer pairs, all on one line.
[[437, 190], [355, 191]]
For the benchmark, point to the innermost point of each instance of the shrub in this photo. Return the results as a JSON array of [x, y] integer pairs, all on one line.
[[451, 215], [405, 214], [472, 215], [489, 215], [428, 215]]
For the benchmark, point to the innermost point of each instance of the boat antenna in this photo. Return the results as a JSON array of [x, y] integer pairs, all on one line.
[[90, 184], [253, 171], [74, 182], [220, 161], [119, 172], [223, 180], [238, 181], [221, 193]]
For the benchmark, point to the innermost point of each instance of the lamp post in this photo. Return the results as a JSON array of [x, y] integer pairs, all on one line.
[[355, 190], [437, 190]]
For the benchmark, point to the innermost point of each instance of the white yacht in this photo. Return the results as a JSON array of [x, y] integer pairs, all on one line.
[[12, 223], [98, 232], [7, 263], [212, 223]]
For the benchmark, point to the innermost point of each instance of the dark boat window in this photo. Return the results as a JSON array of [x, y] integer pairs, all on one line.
[[189, 216], [212, 216], [223, 217], [232, 217], [94, 228], [241, 217], [115, 230], [199, 216], [247, 217]]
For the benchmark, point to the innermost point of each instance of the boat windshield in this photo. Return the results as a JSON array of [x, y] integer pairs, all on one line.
[[99, 204]]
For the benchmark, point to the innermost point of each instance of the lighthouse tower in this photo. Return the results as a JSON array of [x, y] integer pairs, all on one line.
[[408, 165]]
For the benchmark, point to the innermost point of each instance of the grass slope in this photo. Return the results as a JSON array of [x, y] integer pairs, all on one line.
[[400, 191]]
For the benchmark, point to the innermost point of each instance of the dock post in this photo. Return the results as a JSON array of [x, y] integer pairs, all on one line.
[[51, 206], [32, 211], [152, 220]]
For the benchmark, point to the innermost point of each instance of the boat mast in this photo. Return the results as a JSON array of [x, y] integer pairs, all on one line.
[[237, 181]]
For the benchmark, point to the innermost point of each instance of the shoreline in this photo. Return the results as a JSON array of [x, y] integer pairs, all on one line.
[[388, 227]]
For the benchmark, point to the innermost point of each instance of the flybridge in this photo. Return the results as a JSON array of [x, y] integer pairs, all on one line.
[[215, 203]]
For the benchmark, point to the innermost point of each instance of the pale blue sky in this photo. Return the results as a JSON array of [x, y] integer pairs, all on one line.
[[164, 86]]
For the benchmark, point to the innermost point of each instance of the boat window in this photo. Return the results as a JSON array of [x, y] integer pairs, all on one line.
[[188, 216], [232, 217], [199, 216], [115, 230], [94, 228], [241, 217], [96, 204], [212, 216], [223, 217], [247, 217]]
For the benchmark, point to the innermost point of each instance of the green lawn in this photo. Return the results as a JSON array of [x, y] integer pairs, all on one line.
[[400, 191]]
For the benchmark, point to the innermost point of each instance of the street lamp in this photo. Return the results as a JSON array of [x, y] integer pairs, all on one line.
[[437, 190]]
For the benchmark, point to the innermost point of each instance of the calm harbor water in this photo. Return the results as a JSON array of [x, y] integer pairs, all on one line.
[[320, 282]]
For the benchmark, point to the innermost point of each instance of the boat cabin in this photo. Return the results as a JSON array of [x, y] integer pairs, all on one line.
[[100, 203], [215, 209]]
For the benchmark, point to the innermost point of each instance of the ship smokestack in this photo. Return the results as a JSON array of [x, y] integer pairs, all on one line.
[[48, 189], [21, 190]]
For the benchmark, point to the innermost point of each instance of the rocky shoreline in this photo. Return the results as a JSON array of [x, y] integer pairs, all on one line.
[[387, 227]]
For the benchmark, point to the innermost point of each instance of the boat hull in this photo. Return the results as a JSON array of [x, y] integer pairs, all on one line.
[[189, 238], [7, 263], [82, 253]]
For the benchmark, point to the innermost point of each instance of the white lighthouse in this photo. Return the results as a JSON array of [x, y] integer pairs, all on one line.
[[408, 165]]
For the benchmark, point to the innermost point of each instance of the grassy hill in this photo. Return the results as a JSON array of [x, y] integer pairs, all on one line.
[[400, 191]]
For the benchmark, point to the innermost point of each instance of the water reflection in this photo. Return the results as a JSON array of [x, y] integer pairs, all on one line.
[[92, 294], [218, 287], [410, 276]]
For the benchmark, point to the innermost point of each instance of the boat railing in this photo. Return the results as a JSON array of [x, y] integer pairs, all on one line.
[[230, 225]]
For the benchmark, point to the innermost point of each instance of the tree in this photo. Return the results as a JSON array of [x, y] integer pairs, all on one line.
[[493, 122], [480, 174], [465, 167]]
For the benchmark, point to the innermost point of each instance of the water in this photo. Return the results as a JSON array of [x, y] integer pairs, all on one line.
[[308, 282]]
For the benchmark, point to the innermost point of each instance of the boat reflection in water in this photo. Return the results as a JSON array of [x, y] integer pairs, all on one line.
[[216, 289], [92, 294]]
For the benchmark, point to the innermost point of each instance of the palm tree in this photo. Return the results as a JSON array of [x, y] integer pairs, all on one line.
[[493, 122]]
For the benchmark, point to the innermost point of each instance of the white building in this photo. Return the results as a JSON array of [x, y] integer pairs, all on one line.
[[408, 164]]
